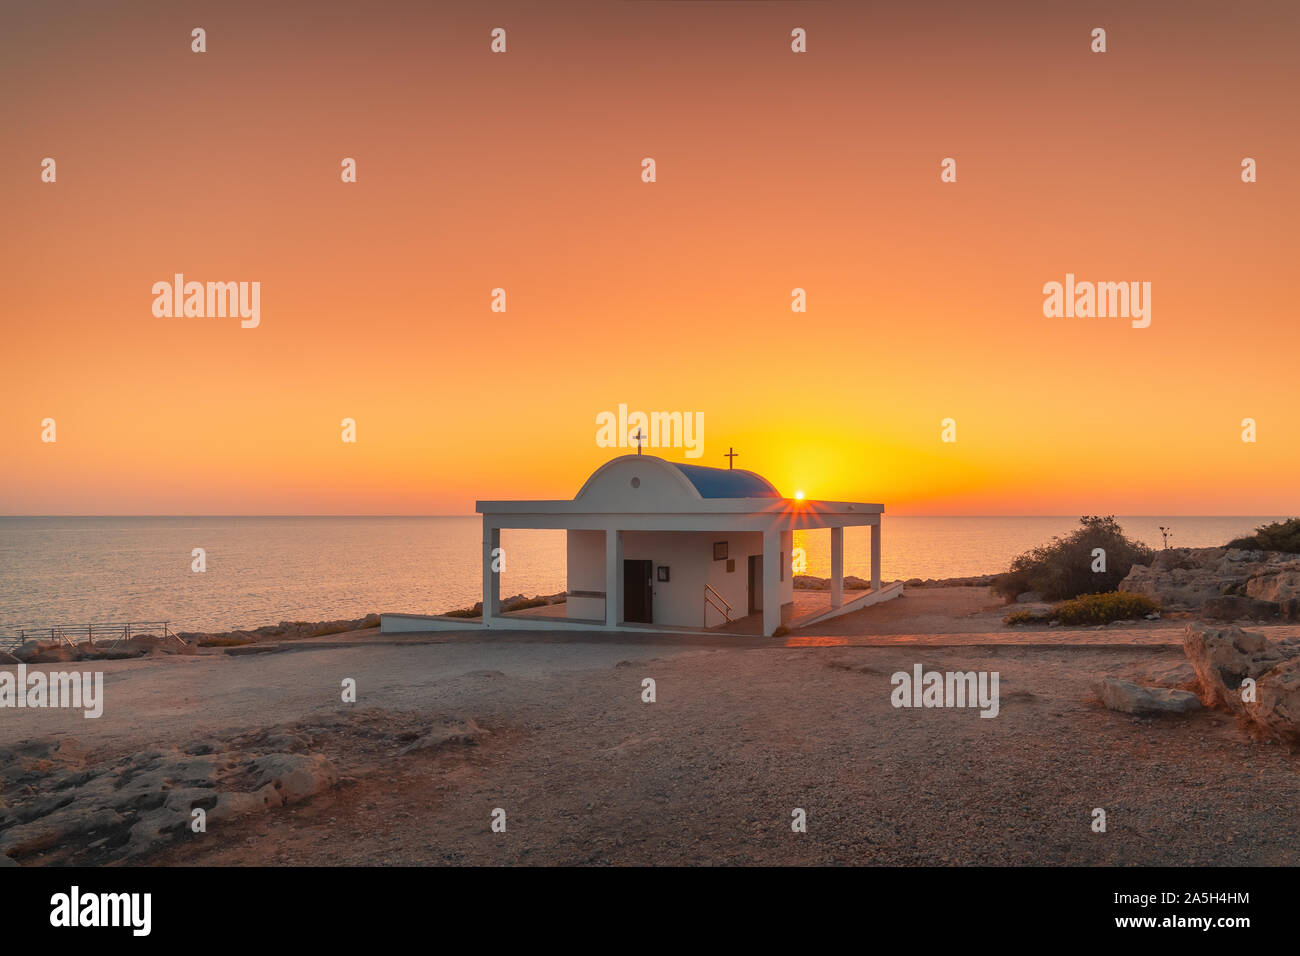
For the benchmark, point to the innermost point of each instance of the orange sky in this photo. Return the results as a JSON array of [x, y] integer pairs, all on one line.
[[522, 171]]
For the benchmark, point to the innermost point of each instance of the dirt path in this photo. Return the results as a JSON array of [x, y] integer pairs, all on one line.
[[743, 731], [737, 739]]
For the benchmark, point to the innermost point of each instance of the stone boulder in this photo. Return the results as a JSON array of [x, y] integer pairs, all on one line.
[[1130, 698], [1223, 657]]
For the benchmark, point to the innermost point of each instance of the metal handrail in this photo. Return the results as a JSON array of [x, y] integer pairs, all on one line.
[[709, 604], [122, 631]]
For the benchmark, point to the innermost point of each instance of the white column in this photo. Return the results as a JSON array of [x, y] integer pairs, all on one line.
[[491, 579], [613, 576], [837, 567], [875, 555], [771, 582]]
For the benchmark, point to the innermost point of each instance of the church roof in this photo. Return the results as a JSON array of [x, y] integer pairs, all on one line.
[[648, 481], [727, 482], [678, 496]]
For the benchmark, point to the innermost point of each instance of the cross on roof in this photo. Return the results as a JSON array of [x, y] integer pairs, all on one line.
[[638, 436], [731, 457]]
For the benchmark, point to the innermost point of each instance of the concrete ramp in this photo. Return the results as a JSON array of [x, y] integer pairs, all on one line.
[[886, 593]]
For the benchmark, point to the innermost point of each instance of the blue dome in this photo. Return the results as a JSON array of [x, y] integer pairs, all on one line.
[[727, 482]]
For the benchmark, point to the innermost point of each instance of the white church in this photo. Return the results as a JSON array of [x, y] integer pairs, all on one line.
[[658, 545]]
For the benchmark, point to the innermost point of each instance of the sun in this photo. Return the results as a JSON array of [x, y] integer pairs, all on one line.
[[798, 495]]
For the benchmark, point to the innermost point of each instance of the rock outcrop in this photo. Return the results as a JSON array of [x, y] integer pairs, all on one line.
[[1279, 585], [63, 803], [1196, 578], [1224, 657], [1188, 577], [131, 806]]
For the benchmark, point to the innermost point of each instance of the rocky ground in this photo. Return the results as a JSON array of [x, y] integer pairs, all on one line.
[[553, 730], [87, 809]]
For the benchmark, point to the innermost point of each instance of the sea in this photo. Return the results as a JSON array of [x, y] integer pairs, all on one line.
[[263, 570]]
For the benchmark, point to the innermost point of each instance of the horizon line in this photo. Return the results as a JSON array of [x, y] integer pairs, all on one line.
[[476, 515]]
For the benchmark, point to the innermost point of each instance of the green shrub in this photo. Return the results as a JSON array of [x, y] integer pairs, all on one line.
[[1090, 609], [1063, 568], [1278, 536], [1104, 608]]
